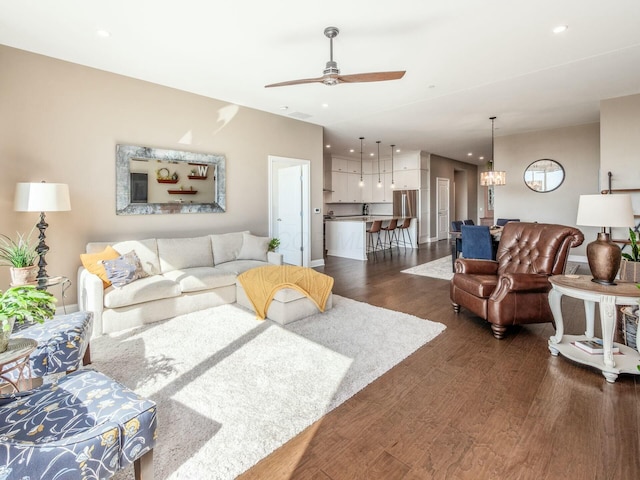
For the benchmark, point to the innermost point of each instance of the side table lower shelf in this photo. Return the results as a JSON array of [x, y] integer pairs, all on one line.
[[626, 361]]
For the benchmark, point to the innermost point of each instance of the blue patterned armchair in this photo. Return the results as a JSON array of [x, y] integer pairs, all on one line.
[[84, 426]]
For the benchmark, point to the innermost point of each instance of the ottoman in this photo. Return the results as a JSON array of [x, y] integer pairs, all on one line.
[[288, 305], [62, 342]]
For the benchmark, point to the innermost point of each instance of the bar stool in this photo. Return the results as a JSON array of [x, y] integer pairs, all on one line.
[[375, 228], [390, 233], [405, 228]]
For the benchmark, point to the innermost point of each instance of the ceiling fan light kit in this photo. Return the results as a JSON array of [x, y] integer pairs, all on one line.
[[331, 73]]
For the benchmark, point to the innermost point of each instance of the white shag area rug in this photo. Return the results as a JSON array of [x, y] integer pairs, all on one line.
[[442, 268], [231, 389]]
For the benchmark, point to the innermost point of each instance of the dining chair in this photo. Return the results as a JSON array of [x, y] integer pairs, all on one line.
[[468, 222], [477, 242], [501, 222]]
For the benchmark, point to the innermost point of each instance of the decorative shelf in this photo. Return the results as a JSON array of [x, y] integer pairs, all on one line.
[[167, 180], [182, 192], [196, 177]]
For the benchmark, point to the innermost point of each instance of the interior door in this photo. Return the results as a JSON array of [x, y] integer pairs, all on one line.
[[288, 225], [443, 208]]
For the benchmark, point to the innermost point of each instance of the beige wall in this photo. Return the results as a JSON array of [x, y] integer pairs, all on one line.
[[576, 148], [61, 122]]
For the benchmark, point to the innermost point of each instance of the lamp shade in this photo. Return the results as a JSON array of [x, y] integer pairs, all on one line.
[[605, 211], [42, 197]]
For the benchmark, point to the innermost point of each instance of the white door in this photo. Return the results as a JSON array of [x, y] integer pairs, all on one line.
[[289, 218], [443, 208], [289, 208]]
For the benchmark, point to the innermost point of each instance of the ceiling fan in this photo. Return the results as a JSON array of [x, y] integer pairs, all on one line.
[[331, 74]]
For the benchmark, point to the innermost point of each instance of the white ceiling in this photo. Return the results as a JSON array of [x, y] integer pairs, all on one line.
[[466, 60]]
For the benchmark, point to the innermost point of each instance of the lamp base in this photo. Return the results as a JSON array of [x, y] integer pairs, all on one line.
[[604, 259]]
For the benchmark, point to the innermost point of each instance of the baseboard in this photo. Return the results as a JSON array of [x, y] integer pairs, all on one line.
[[60, 309], [317, 263]]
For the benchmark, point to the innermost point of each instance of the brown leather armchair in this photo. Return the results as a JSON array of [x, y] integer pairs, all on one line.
[[514, 288]]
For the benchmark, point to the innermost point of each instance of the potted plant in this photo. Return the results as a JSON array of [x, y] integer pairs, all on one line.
[[20, 304], [630, 265], [274, 243], [21, 256]]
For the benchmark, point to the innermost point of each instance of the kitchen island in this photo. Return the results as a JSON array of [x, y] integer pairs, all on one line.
[[347, 236]]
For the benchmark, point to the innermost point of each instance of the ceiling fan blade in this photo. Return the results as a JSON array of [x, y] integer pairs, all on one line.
[[296, 82], [371, 77]]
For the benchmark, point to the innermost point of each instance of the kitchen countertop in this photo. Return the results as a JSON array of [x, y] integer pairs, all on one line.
[[363, 218]]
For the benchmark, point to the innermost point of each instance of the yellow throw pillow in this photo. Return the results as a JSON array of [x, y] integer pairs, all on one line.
[[93, 263]]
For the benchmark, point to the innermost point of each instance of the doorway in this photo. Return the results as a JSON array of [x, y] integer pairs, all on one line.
[[289, 208], [442, 206]]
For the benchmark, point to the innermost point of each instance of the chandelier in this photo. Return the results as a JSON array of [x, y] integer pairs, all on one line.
[[492, 177]]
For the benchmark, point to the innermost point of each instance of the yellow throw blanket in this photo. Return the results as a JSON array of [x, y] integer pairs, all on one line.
[[262, 283]]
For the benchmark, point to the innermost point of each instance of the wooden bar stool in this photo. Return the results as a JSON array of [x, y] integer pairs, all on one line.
[[390, 234], [405, 228], [375, 229]]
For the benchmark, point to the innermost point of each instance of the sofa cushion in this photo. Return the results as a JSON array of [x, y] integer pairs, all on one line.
[[125, 269], [200, 278], [92, 261], [226, 246], [240, 266], [179, 253], [254, 248], [147, 251], [154, 287]]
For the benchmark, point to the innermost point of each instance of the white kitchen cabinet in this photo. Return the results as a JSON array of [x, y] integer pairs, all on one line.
[[406, 162], [354, 192], [339, 184], [339, 164], [354, 167], [407, 179]]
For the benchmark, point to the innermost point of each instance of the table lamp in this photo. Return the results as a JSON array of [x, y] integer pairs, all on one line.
[[42, 197], [597, 211]]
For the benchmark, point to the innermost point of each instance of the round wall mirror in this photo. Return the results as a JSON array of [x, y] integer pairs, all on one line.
[[544, 175]]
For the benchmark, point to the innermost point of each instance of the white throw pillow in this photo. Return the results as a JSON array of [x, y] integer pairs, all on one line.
[[226, 246], [254, 248]]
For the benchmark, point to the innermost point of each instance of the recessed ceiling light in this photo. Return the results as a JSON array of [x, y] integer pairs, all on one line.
[[398, 150], [431, 86], [328, 146], [469, 154], [560, 28], [351, 150], [481, 158], [325, 105], [371, 154], [103, 33], [284, 107]]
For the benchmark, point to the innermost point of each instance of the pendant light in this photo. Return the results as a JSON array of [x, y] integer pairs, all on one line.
[[492, 177], [379, 182], [361, 180], [393, 184]]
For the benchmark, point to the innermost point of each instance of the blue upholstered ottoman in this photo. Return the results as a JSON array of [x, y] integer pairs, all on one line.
[[62, 342], [84, 426]]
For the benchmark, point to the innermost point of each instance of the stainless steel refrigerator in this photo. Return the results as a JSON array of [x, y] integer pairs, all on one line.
[[405, 203]]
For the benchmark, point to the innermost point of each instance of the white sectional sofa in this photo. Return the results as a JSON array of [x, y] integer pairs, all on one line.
[[184, 275]]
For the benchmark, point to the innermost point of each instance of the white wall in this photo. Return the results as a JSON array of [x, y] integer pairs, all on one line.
[[61, 122], [576, 148]]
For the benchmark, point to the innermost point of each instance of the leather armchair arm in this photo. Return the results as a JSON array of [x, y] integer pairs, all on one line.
[[524, 282], [476, 267]]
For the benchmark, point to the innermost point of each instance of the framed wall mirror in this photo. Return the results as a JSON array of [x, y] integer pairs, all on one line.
[[544, 175], [152, 180]]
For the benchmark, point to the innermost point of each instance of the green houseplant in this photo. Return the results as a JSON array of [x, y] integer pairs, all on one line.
[[20, 304], [274, 243], [630, 265], [21, 255]]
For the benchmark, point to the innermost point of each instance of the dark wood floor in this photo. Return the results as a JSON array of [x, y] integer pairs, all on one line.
[[466, 406]]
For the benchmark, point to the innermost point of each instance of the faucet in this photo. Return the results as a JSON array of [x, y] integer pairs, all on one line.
[[365, 209]]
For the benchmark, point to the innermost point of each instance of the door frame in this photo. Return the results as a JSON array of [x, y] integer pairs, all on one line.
[[443, 235], [274, 160]]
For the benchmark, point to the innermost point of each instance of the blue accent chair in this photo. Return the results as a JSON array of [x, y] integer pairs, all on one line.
[[477, 242], [501, 222], [84, 426]]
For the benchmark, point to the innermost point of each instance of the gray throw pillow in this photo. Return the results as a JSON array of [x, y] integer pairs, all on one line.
[[123, 270]]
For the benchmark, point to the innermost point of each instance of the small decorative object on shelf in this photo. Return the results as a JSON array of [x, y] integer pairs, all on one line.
[[198, 174], [163, 175], [594, 346]]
